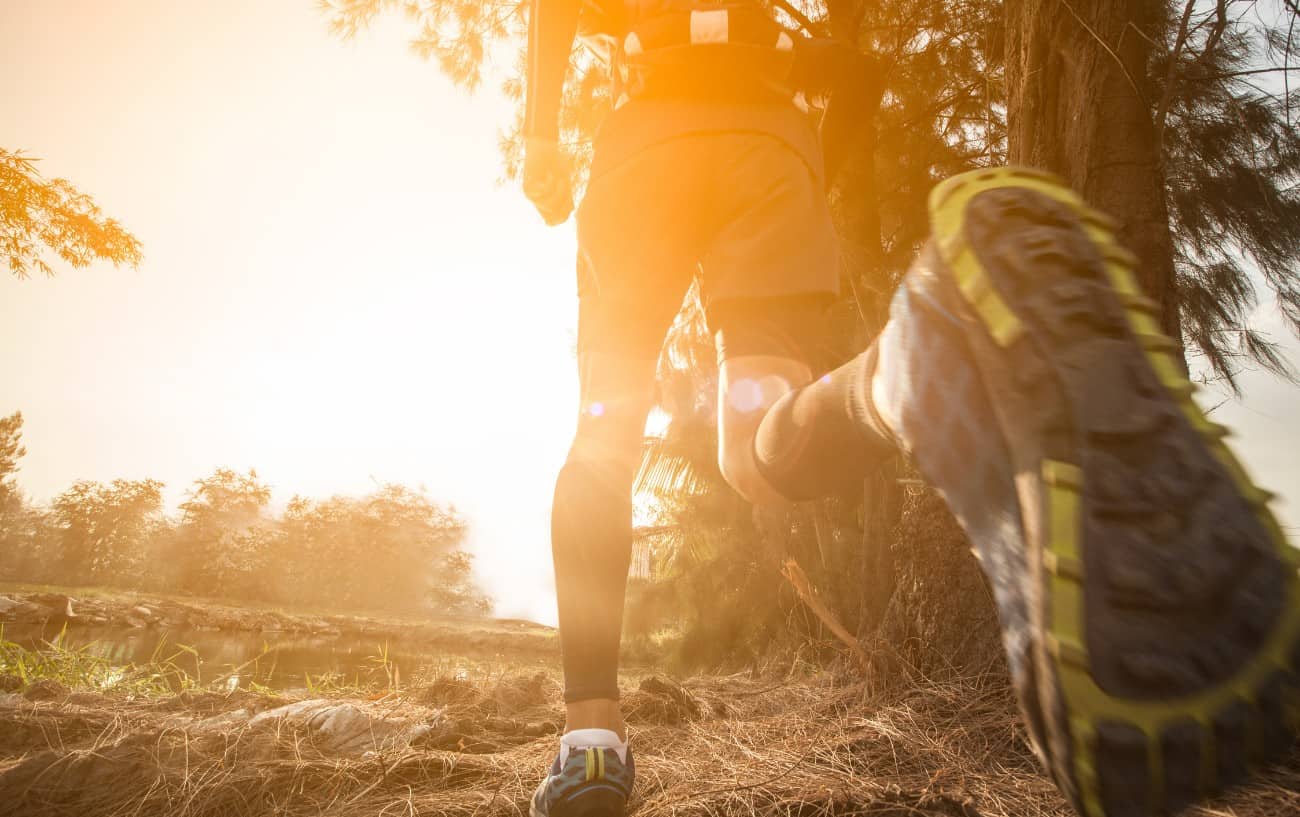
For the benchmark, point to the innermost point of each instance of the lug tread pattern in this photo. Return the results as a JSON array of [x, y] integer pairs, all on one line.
[[1173, 607]]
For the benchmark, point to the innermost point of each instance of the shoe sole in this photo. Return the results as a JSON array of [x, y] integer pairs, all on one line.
[[1166, 592], [598, 803]]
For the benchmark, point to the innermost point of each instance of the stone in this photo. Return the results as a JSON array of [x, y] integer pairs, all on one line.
[[340, 727]]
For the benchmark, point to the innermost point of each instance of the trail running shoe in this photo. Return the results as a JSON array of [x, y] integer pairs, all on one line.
[[585, 781], [1149, 601]]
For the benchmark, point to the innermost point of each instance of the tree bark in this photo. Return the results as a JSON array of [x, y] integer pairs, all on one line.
[[1080, 104]]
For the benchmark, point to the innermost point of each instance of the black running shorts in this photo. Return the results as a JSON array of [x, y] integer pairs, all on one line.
[[741, 210]]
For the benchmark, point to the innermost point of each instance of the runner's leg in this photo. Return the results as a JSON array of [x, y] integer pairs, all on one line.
[[769, 275], [591, 531], [747, 388], [636, 260]]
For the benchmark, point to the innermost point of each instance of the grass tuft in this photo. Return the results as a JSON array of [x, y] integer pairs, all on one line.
[[81, 668]]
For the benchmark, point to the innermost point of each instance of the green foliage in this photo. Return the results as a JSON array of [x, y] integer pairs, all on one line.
[[467, 39], [459, 34], [391, 550], [82, 668], [227, 534], [37, 214], [171, 669], [11, 451], [16, 519], [1232, 152], [11, 446], [101, 528]]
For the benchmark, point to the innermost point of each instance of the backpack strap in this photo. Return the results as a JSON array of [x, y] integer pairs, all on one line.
[[678, 51], [744, 25]]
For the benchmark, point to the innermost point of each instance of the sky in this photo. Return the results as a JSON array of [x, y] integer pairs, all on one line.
[[336, 291]]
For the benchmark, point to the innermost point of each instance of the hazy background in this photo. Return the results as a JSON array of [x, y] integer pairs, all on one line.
[[335, 290]]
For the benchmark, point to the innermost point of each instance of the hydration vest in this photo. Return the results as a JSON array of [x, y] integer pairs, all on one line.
[[689, 47]]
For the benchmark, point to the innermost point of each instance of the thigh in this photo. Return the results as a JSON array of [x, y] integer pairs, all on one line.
[[771, 233], [639, 227]]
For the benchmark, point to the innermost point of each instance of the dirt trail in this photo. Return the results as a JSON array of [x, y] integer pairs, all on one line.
[[715, 746]]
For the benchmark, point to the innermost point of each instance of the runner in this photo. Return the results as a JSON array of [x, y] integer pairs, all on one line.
[[1148, 599]]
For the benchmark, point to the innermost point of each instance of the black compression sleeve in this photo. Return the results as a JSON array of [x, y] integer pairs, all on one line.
[[552, 27]]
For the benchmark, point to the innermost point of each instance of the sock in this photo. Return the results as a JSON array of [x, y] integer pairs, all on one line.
[[592, 738], [823, 438]]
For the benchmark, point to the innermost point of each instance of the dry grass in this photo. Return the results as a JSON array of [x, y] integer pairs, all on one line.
[[717, 746]]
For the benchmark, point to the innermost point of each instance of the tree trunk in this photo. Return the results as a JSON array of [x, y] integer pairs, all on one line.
[[923, 604], [1080, 104]]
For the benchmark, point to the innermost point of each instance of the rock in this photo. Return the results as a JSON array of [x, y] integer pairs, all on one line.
[[132, 621], [540, 730], [339, 727], [225, 722], [142, 611]]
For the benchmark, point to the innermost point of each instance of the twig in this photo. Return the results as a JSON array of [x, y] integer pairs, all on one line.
[[1286, 65], [1277, 69], [796, 764], [799, 17], [1216, 33], [252, 660], [792, 571], [1106, 46], [1162, 111]]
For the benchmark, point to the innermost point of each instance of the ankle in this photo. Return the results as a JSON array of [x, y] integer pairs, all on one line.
[[599, 713]]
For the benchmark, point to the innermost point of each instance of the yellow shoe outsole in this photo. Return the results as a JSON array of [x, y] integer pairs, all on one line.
[[1085, 705]]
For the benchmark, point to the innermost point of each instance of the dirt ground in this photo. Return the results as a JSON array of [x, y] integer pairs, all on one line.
[[735, 745]]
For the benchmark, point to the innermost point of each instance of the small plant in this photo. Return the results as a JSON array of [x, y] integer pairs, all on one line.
[[383, 664], [81, 668]]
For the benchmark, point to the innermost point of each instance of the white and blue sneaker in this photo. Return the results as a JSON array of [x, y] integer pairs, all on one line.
[[591, 777]]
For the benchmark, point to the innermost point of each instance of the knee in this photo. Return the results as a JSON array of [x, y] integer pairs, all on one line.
[[603, 460], [735, 466], [740, 469]]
